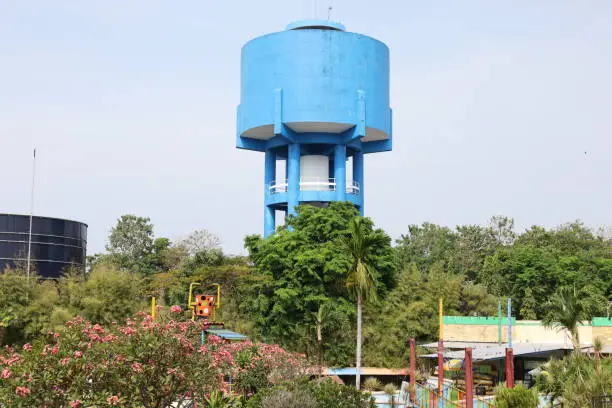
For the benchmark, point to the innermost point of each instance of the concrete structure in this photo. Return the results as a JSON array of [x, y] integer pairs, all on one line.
[[313, 98], [56, 244], [485, 330]]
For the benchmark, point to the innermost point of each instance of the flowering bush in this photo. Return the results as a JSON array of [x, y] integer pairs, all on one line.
[[139, 364]]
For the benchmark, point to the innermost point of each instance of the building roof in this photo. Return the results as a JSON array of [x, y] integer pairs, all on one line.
[[226, 334], [499, 352], [365, 371], [459, 344]]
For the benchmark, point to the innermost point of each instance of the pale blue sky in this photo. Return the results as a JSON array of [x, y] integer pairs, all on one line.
[[131, 105]]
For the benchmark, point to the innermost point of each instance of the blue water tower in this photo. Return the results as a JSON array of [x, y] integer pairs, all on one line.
[[315, 97]]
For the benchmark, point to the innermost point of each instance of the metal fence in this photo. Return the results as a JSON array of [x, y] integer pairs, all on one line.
[[451, 398]]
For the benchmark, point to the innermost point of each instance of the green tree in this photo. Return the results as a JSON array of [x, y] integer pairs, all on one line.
[[15, 294], [131, 237], [573, 381], [528, 305], [362, 274], [299, 268], [567, 308], [426, 244]]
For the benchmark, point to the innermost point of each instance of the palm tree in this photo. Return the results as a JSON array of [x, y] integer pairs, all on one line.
[[566, 310], [361, 274]]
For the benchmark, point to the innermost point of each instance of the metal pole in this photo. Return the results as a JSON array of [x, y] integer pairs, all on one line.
[[412, 370], [469, 379], [31, 216], [499, 323], [509, 323], [509, 368], [499, 338], [441, 357], [153, 307]]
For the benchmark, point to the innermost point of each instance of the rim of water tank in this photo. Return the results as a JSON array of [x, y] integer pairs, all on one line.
[[316, 24]]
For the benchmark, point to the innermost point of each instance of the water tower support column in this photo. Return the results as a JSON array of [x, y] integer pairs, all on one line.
[[293, 170], [358, 175], [340, 171], [269, 177]]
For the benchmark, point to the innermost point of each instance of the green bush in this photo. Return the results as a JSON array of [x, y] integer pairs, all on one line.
[[372, 384], [326, 393], [517, 397]]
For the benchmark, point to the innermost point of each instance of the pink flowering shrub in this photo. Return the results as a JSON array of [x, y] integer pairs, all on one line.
[[248, 367], [139, 364]]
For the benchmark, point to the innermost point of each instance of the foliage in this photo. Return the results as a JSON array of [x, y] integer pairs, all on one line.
[[298, 270], [132, 237], [30, 309], [327, 394], [517, 397], [372, 384], [140, 364], [411, 310], [568, 308], [575, 380], [362, 275], [289, 399], [525, 267]]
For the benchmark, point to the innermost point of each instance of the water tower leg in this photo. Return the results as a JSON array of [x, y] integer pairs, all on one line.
[[269, 178], [358, 175], [269, 221], [293, 167], [340, 171]]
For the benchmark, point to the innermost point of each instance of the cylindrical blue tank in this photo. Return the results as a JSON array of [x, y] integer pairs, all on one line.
[[316, 96]]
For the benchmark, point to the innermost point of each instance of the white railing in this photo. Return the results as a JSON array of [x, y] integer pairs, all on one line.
[[312, 184]]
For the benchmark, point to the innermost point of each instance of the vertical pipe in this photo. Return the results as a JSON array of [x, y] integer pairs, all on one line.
[[509, 368], [153, 307], [412, 369], [441, 356], [269, 178], [469, 379], [441, 317], [509, 323], [499, 323], [31, 216], [340, 171], [293, 168], [358, 176], [499, 338]]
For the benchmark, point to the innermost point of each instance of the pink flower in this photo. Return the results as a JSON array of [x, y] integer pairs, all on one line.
[[212, 339], [137, 367], [114, 400], [78, 354], [176, 309], [6, 373], [75, 404], [55, 349], [22, 391], [64, 361], [128, 331], [27, 347]]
